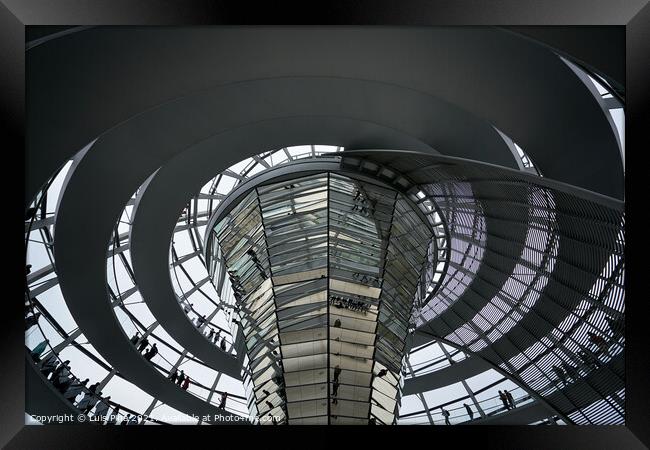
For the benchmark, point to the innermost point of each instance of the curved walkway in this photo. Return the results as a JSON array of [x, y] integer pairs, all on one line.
[[530, 94]]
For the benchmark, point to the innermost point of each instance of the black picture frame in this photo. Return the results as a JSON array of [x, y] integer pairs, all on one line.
[[526, 15]]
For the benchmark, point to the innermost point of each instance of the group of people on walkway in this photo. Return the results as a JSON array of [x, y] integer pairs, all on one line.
[[58, 373], [589, 358], [180, 379], [143, 346], [71, 387], [566, 372], [505, 396], [507, 399], [214, 338], [212, 335]]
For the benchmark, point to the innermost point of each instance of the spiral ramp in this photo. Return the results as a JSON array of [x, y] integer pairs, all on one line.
[[170, 122]]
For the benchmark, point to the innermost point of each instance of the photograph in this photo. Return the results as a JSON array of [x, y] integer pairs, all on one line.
[[403, 217]]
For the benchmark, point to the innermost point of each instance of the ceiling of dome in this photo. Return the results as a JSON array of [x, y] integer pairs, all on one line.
[[479, 76]]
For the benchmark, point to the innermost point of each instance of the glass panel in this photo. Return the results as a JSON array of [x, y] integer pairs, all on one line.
[[324, 270]]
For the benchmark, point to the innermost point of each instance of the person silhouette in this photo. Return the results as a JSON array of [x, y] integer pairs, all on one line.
[[470, 413], [445, 414]]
